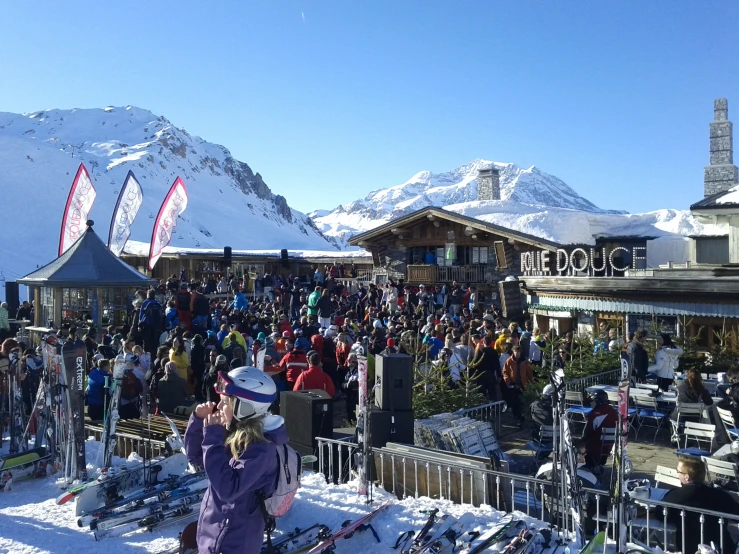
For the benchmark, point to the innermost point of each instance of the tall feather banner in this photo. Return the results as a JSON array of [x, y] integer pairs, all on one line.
[[79, 203], [129, 202], [174, 204]]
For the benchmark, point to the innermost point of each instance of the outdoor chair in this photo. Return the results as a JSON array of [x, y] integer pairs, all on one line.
[[542, 447], [702, 433], [728, 421], [721, 472], [577, 411], [647, 411], [613, 401], [685, 412], [607, 440], [668, 476]]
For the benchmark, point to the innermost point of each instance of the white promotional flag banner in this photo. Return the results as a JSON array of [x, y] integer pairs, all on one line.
[[124, 213], [79, 204], [174, 204]]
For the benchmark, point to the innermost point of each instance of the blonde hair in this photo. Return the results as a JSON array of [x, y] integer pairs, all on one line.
[[138, 349], [244, 433]]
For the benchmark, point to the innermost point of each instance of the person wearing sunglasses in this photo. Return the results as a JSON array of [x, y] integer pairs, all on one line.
[[696, 493], [235, 442]]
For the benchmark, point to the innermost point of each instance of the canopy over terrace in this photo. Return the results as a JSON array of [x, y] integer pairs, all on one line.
[[87, 284]]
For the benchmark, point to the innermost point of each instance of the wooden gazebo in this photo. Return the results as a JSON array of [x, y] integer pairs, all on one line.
[[88, 284]]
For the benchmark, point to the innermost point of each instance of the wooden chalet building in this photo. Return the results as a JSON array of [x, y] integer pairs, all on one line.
[[463, 249]]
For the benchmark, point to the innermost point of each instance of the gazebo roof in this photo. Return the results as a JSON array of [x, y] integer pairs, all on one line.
[[87, 263]]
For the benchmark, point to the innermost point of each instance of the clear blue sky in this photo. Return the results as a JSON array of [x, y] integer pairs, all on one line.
[[329, 100]]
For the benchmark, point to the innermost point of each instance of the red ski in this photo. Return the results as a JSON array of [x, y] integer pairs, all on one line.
[[328, 544]]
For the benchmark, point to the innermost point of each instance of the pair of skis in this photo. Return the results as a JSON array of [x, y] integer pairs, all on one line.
[[438, 535], [74, 361], [108, 439], [24, 465], [328, 544], [115, 484]]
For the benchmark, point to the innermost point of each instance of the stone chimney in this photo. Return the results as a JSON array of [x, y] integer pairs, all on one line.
[[721, 174], [488, 184]]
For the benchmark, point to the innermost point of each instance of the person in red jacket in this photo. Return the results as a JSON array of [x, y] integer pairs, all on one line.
[[603, 416], [293, 364], [314, 378], [285, 327]]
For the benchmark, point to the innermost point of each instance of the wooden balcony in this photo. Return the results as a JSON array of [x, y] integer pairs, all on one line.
[[433, 274]]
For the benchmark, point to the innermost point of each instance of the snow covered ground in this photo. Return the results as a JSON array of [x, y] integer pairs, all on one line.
[[32, 523]]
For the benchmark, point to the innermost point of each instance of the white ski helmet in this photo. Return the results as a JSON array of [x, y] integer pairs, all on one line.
[[252, 388]]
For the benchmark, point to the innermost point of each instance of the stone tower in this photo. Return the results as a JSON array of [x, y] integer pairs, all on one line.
[[488, 184], [721, 174]]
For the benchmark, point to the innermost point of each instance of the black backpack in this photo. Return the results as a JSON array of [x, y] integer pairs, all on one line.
[[202, 305], [153, 315]]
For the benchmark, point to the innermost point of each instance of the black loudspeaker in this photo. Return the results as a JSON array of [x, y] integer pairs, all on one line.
[[394, 382], [308, 414], [284, 259], [388, 427], [227, 255], [11, 297]]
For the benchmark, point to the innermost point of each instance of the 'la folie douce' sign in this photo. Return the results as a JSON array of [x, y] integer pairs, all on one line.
[[579, 260]]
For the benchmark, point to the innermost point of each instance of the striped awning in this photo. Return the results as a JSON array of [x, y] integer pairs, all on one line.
[[556, 303]]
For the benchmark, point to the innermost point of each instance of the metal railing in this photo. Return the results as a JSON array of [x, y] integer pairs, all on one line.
[[414, 475], [486, 412], [126, 443], [611, 377], [443, 274]]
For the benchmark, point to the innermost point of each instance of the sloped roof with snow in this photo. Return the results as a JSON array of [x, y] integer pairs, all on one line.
[[720, 200]]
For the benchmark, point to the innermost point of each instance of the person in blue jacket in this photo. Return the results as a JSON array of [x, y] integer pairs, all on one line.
[[235, 442], [96, 390], [240, 302]]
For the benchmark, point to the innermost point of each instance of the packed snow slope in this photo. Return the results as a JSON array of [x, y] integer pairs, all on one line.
[[31, 522], [229, 204], [532, 201]]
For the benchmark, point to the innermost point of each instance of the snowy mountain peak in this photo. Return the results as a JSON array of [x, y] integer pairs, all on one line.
[[40, 152], [531, 187]]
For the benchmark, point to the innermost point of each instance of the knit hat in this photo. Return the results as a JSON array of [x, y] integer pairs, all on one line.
[[221, 360], [261, 337], [391, 343]]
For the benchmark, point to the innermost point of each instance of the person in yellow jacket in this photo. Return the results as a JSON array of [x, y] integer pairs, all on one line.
[[500, 343], [234, 336], [179, 356]]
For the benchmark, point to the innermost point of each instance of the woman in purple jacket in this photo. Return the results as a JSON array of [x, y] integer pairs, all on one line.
[[235, 442]]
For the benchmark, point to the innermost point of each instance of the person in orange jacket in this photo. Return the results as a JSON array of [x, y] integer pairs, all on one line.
[[517, 374], [314, 378]]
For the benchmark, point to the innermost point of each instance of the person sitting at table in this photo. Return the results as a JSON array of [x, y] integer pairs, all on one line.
[[695, 493], [587, 479], [603, 416], [730, 400], [690, 391]]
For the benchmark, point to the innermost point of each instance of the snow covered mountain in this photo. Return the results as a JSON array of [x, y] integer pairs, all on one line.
[[229, 204], [531, 201]]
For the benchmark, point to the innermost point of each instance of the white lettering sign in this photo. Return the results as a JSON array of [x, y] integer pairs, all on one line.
[[579, 260]]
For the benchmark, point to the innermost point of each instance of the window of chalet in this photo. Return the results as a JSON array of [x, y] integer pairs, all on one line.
[[451, 255]]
